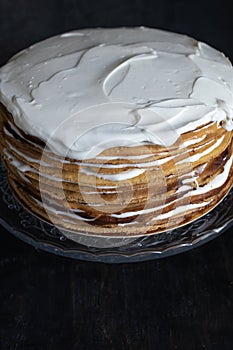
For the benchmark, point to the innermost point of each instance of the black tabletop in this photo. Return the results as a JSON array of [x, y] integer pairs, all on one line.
[[180, 302]]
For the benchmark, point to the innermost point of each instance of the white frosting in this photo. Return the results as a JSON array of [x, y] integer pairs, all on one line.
[[197, 156], [217, 182], [85, 91]]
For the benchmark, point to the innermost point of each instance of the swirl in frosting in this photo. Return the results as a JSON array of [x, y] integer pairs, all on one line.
[[140, 84]]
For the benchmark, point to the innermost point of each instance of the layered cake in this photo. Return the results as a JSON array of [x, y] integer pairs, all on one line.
[[114, 132]]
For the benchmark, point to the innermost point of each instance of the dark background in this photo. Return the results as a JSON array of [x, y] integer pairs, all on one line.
[[23, 22], [181, 302]]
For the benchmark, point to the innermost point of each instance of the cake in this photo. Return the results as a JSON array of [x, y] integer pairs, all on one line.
[[118, 132]]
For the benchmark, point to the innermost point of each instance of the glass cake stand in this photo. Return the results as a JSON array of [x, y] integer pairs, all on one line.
[[42, 235]]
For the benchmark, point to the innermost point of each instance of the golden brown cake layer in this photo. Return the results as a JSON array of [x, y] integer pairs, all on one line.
[[171, 186]]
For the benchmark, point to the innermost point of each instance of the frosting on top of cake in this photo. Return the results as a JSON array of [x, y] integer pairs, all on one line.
[[88, 90]]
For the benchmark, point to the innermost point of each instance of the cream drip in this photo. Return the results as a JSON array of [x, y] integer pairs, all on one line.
[[88, 90]]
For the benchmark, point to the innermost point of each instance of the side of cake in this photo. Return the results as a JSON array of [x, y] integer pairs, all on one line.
[[124, 131]]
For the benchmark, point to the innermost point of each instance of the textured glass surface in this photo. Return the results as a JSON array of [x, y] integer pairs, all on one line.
[[44, 236]]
